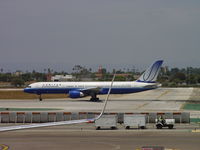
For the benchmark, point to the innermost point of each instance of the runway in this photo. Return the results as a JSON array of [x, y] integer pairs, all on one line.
[[158, 100], [163, 99]]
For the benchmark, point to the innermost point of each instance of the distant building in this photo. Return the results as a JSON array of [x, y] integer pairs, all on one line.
[[99, 74], [136, 76], [49, 76], [18, 73], [165, 69], [62, 78]]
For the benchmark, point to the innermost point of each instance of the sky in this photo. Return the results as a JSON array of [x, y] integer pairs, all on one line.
[[37, 34]]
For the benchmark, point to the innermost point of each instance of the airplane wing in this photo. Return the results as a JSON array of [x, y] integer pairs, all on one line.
[[18, 127], [92, 89]]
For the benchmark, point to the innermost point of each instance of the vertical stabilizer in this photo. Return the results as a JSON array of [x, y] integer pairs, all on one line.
[[151, 74]]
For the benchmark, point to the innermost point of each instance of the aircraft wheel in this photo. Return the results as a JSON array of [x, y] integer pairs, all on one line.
[[98, 128], [159, 126], [127, 127], [113, 128], [170, 126], [142, 127], [40, 97], [94, 99]]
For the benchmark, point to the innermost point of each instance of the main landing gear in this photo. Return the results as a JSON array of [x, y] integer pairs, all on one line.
[[94, 97], [40, 97]]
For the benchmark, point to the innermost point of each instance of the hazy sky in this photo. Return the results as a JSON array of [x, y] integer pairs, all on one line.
[[62, 33]]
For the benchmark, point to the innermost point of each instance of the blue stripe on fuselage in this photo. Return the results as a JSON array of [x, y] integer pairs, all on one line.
[[66, 90]]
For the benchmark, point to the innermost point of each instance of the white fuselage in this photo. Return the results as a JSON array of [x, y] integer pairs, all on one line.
[[65, 87]]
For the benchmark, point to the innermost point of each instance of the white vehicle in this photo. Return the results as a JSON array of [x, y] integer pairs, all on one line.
[[147, 81], [134, 120], [165, 123]]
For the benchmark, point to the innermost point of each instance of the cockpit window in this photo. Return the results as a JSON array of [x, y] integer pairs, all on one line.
[[29, 86]]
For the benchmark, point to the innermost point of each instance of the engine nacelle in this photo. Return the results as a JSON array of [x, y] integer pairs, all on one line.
[[76, 94]]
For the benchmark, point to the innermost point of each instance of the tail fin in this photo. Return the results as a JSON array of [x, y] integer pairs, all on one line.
[[151, 74]]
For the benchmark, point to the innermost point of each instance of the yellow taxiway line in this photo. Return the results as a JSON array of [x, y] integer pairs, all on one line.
[[4, 147]]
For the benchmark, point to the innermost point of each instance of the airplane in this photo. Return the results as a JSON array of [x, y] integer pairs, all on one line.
[[147, 81], [29, 126]]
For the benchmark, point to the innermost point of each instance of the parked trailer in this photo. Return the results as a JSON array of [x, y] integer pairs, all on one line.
[[135, 120], [106, 121]]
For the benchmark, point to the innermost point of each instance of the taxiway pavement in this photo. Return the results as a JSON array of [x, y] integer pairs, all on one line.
[[82, 137], [162, 99]]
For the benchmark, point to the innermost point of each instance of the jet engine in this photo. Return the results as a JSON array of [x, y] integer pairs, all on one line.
[[76, 94]]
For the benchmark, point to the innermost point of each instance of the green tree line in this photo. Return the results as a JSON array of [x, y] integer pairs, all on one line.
[[168, 77]]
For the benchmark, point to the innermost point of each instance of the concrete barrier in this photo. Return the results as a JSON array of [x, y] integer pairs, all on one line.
[[177, 117], [5, 118], [185, 117], [20, 118], [51, 117], [66, 116], [82, 115], [59, 116], [12, 117], [74, 116], [28, 117], [169, 115], [120, 118], [42, 117], [90, 115], [152, 117], [146, 116], [36, 117]]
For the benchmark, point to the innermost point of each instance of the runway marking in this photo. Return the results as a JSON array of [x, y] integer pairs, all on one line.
[[139, 107], [171, 149], [115, 146], [166, 92], [4, 147]]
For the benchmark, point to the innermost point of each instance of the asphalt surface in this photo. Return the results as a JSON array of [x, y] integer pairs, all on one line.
[[163, 99], [158, 100], [82, 137]]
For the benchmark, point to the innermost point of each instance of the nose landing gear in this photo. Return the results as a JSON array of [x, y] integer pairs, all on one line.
[[94, 97], [40, 97]]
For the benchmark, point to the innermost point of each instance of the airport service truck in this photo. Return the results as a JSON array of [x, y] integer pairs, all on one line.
[[165, 123]]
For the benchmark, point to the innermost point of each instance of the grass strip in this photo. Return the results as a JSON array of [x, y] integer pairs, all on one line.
[[191, 106], [21, 95], [29, 109], [196, 120]]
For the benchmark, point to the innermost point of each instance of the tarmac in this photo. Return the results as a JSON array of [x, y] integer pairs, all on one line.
[[158, 100], [84, 136], [163, 99]]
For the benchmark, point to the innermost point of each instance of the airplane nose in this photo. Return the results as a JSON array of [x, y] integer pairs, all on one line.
[[27, 90]]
